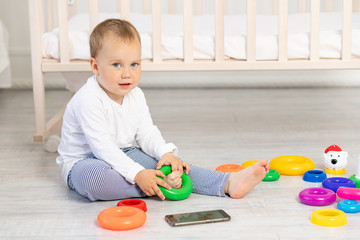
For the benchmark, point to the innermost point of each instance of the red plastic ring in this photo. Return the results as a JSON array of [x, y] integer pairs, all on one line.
[[133, 203]]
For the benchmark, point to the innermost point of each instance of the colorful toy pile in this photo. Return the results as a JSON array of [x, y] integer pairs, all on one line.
[[333, 187]]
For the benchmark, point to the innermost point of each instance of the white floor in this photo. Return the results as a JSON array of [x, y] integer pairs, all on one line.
[[211, 127]]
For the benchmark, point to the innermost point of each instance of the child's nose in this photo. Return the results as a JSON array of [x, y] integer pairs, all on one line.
[[125, 73]]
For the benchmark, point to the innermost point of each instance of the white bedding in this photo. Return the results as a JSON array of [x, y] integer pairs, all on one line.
[[5, 73], [235, 36]]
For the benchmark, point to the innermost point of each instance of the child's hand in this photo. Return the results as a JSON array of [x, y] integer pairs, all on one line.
[[148, 181], [175, 163]]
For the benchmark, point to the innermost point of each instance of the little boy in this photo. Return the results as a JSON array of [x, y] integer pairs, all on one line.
[[108, 117]]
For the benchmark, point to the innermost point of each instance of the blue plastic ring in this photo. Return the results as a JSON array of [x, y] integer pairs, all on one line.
[[349, 206], [314, 176], [335, 182]]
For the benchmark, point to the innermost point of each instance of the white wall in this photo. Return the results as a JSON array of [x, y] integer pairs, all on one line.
[[14, 14]]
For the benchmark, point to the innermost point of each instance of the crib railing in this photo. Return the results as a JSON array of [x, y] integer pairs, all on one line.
[[46, 14], [280, 7]]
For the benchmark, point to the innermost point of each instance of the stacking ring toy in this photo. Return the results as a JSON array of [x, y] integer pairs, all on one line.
[[350, 193], [335, 172], [314, 176], [133, 203], [121, 218], [292, 165], [248, 163], [273, 175], [335, 182], [356, 180], [180, 193], [317, 196], [328, 217], [349, 206], [229, 168]]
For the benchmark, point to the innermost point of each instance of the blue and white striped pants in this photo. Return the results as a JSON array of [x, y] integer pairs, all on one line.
[[96, 180]]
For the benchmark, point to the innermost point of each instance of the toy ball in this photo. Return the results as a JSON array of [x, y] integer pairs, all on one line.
[[335, 160]]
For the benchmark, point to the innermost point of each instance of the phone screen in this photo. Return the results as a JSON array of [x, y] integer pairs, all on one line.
[[182, 219]]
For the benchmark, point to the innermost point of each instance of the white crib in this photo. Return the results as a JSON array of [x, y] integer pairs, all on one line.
[[47, 14]]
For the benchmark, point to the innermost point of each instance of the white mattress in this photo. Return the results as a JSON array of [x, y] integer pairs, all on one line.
[[235, 36], [5, 72]]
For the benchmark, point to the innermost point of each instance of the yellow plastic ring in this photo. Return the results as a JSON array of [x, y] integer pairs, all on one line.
[[335, 172], [248, 163], [327, 217], [292, 165]]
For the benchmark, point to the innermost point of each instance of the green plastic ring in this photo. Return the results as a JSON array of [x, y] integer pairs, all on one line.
[[273, 175], [356, 180], [174, 193]]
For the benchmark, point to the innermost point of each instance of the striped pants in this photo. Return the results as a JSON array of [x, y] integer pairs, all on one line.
[[96, 180]]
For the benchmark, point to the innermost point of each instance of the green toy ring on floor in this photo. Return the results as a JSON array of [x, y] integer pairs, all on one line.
[[272, 175], [356, 180], [180, 193]]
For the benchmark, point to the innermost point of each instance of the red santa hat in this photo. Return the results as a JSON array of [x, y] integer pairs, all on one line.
[[334, 148]]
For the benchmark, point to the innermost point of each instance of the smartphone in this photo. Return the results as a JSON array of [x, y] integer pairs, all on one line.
[[183, 219]]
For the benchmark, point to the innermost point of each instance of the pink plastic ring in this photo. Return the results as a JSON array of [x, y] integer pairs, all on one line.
[[317, 196], [133, 203], [349, 193]]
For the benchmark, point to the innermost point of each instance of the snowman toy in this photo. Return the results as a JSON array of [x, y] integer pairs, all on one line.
[[335, 160]]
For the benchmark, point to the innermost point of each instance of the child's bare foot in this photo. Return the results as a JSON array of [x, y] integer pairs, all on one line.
[[174, 179], [240, 183]]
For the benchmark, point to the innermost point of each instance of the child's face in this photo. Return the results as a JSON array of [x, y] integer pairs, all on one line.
[[117, 66]]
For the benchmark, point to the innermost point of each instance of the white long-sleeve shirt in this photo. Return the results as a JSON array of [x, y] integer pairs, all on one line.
[[94, 124]]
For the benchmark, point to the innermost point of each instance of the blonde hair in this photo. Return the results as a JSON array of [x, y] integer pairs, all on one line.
[[124, 29]]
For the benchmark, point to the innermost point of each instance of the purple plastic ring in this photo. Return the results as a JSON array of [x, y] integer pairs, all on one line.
[[317, 196], [334, 183]]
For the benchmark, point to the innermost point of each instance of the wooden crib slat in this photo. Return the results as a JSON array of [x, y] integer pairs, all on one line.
[[156, 31], [63, 31], [49, 15], [188, 31], [55, 14], [283, 30], [329, 5], [93, 13], [219, 31], [198, 8], [36, 16], [314, 30], [356, 5], [146, 6], [124, 9], [250, 30], [172, 6], [302, 6], [275, 7], [346, 31]]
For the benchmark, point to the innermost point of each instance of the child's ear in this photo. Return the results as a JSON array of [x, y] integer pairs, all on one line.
[[94, 66]]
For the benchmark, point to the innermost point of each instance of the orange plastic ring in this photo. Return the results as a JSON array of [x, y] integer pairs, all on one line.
[[133, 203], [121, 218], [229, 168]]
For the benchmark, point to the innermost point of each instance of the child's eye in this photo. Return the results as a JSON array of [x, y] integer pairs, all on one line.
[[134, 65], [116, 65]]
